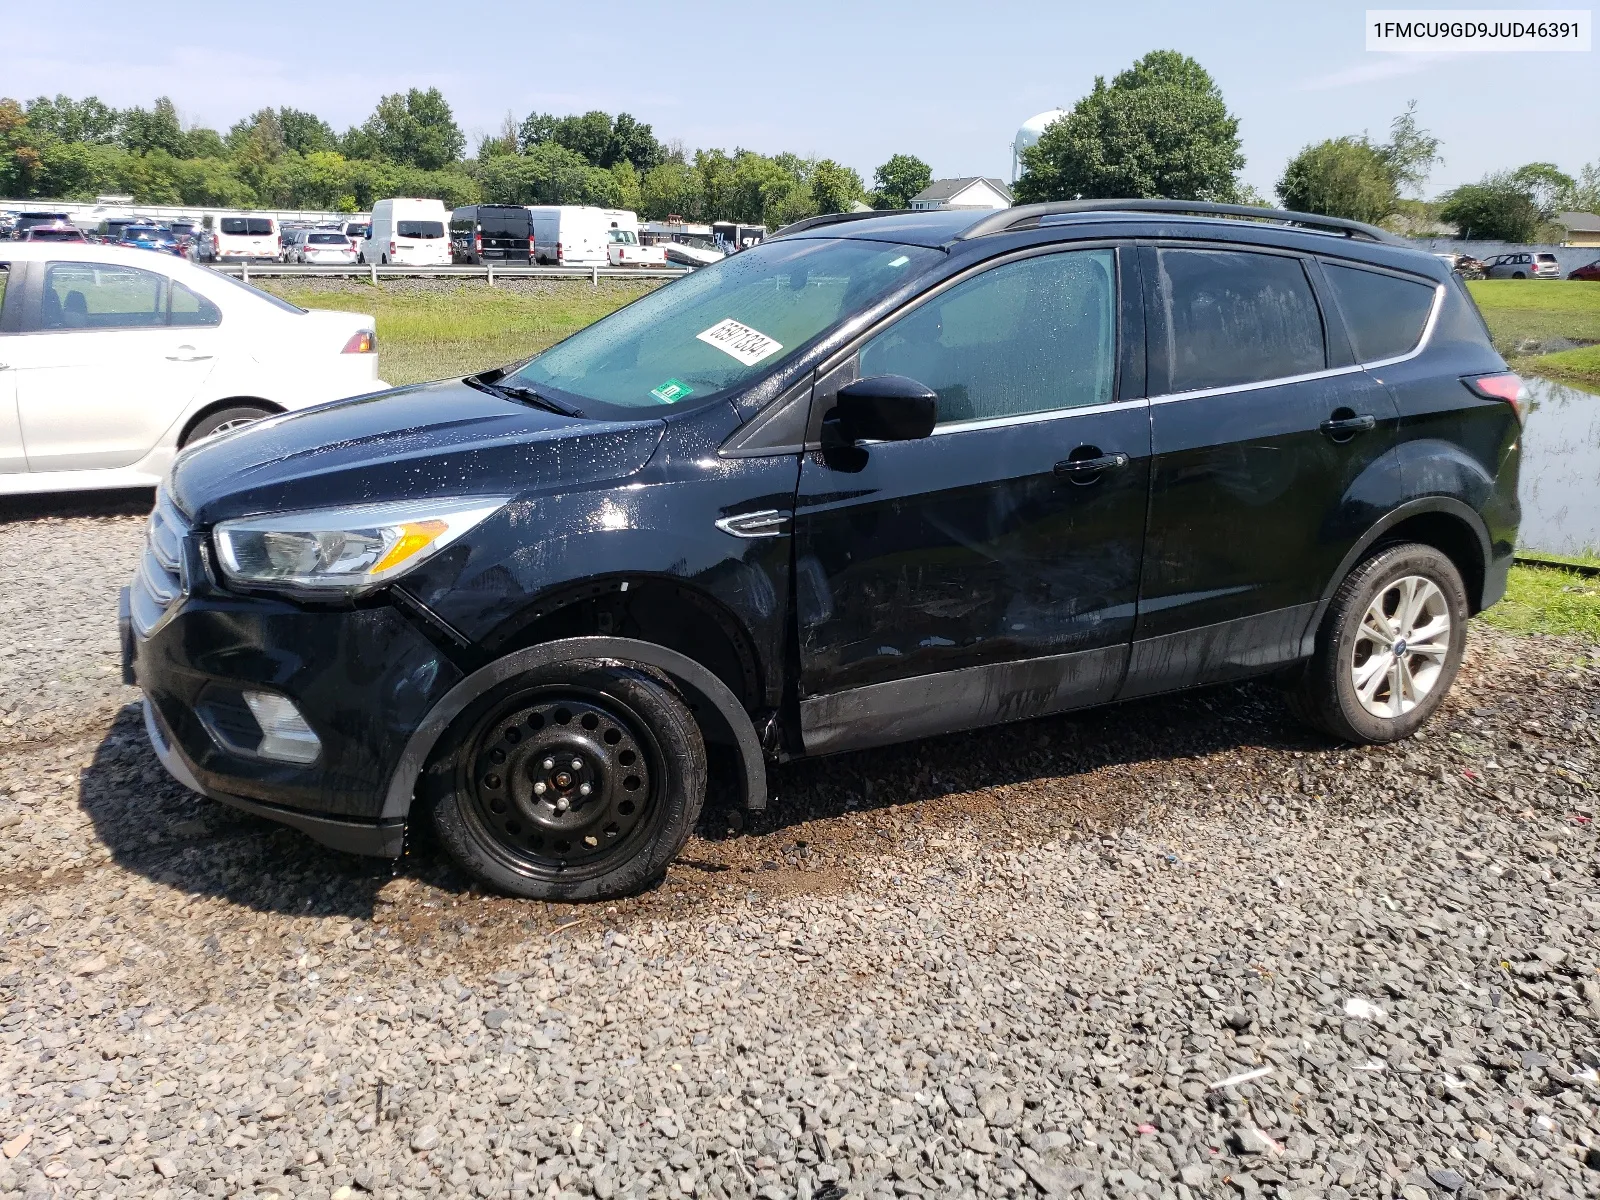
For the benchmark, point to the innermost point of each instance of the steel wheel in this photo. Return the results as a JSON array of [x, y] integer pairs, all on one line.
[[1401, 647], [561, 781]]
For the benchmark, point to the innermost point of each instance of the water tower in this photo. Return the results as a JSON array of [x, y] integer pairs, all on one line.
[[1028, 135]]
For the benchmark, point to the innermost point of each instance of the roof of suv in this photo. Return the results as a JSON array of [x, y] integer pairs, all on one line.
[[949, 228]]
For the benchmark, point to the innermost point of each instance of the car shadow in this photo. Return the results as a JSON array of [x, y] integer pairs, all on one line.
[[119, 502], [157, 828]]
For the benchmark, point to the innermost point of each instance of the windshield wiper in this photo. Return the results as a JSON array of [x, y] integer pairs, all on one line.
[[528, 395]]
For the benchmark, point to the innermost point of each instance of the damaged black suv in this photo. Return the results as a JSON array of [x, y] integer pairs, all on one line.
[[873, 480]]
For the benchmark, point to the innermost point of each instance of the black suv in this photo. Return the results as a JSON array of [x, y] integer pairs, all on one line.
[[872, 480]]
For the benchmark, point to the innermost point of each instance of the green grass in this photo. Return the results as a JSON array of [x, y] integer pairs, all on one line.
[[1579, 366], [1520, 309], [428, 331], [1545, 600]]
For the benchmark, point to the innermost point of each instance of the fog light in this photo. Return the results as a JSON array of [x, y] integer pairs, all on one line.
[[285, 735]]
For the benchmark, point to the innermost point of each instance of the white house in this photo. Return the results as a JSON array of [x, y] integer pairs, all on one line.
[[974, 191]]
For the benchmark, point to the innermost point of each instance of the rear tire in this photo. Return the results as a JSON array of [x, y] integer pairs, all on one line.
[[1407, 597], [515, 811], [223, 420], [1519, 275]]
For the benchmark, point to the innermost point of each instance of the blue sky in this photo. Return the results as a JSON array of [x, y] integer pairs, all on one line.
[[852, 81]]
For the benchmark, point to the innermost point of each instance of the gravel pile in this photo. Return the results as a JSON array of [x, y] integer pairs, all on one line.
[[1174, 949]]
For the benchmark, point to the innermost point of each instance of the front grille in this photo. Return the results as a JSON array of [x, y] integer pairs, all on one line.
[[159, 579]]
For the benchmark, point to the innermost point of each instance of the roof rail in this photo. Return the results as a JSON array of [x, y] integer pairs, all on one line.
[[835, 218], [1024, 214]]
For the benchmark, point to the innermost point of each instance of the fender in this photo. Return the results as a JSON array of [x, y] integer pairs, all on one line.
[[701, 688], [1447, 505]]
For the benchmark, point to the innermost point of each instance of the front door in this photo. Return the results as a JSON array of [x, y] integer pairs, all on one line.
[[111, 360], [1270, 458], [989, 571]]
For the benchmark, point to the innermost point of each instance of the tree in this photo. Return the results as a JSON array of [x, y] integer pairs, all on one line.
[[1584, 195], [157, 129], [305, 133], [89, 120], [671, 189], [899, 179], [496, 145], [548, 173], [633, 142], [259, 135], [835, 189], [1410, 152], [416, 129], [1497, 209], [1547, 184], [1341, 177], [1159, 128]]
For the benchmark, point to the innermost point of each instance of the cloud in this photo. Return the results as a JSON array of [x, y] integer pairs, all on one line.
[[1379, 68]]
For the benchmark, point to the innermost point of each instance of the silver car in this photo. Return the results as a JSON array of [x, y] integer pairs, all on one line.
[[1523, 265]]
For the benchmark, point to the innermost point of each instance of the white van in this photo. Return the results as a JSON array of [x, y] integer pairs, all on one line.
[[245, 239], [570, 235], [408, 232]]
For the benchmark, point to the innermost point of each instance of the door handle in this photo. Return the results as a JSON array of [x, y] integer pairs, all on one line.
[[1087, 469], [191, 356], [1342, 428]]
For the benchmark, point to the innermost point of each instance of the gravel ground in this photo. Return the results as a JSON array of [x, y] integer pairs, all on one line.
[[1176, 948]]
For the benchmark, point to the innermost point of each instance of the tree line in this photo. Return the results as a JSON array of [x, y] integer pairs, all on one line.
[[411, 145], [1161, 128]]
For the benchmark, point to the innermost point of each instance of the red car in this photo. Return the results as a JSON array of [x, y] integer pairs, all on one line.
[[1591, 272]]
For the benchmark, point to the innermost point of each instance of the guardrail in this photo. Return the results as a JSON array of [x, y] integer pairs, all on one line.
[[488, 271]]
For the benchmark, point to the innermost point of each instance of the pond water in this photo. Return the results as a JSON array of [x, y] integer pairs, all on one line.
[[1560, 482]]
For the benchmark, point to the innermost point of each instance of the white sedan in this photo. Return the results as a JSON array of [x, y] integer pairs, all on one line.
[[324, 247], [112, 360]]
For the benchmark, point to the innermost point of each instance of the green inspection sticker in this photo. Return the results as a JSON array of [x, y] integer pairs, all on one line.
[[672, 391]]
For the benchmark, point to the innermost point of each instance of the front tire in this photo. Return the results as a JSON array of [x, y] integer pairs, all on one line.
[[1389, 648], [573, 781]]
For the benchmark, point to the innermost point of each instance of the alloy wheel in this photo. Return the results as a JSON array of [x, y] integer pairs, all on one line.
[[1401, 647]]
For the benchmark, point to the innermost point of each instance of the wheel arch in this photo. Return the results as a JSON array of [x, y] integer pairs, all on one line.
[[715, 707], [216, 406], [1443, 522]]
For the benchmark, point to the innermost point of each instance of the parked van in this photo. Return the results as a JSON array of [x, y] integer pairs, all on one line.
[[408, 232], [570, 235], [246, 239], [482, 233]]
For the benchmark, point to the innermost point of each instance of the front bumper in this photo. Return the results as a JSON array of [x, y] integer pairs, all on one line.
[[363, 678]]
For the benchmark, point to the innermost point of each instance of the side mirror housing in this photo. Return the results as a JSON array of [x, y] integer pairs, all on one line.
[[884, 408]]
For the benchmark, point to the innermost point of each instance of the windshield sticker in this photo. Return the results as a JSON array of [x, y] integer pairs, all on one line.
[[672, 391], [748, 345]]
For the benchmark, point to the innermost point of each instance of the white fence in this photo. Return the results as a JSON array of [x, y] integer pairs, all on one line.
[[489, 271]]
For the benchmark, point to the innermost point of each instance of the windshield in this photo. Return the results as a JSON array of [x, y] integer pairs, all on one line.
[[721, 326], [420, 229], [624, 236]]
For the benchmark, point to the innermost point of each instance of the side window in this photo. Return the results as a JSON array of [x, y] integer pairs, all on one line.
[[191, 309], [101, 296], [1031, 336], [1384, 313], [1236, 317]]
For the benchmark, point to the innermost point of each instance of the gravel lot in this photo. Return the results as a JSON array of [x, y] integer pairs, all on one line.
[[1018, 962]]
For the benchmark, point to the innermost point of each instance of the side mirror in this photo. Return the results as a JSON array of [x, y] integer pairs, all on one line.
[[884, 408]]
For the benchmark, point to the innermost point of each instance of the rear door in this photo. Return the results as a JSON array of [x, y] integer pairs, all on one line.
[[1271, 457], [989, 571], [12, 458], [111, 357]]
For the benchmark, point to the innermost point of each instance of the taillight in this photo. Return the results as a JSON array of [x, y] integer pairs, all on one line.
[[1506, 387], [365, 342], [477, 243], [391, 248]]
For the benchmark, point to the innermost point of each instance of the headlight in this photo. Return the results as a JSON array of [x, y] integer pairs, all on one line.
[[344, 549]]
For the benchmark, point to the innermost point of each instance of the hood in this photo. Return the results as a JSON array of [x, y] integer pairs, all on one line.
[[433, 440]]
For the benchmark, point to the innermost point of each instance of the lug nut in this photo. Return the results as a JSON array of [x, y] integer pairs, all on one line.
[[549, 764], [577, 764], [562, 804], [584, 789], [539, 788]]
